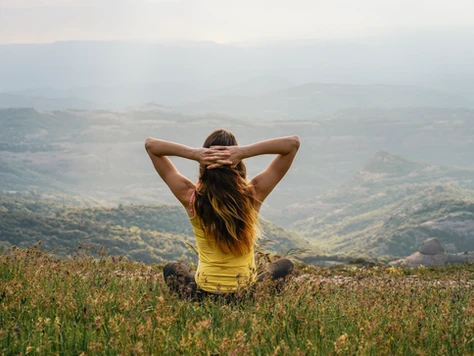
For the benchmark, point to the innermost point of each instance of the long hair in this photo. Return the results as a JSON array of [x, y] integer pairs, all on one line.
[[224, 202]]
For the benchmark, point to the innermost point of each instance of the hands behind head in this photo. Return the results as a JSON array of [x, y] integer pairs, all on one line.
[[219, 156]]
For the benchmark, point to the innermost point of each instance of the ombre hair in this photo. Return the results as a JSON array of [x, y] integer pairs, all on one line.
[[224, 202]]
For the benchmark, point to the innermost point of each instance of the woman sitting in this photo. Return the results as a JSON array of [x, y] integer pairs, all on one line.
[[223, 208]]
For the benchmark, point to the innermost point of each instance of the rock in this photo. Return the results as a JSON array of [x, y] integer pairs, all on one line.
[[431, 254], [418, 259], [465, 257], [397, 263], [431, 247]]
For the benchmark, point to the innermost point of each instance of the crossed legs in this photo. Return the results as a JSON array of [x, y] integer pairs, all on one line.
[[180, 278]]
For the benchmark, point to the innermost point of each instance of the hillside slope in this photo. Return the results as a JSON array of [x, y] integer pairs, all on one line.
[[149, 233], [316, 100], [389, 208], [100, 154]]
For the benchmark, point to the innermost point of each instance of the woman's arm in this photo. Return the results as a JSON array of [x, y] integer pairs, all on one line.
[[161, 148], [280, 146], [180, 186], [284, 147], [158, 151]]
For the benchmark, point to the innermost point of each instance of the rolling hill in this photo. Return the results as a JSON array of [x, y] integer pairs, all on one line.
[[314, 101], [9, 100], [389, 208], [149, 233], [99, 155]]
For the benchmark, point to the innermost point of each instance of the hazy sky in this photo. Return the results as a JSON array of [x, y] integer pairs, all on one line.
[[222, 20]]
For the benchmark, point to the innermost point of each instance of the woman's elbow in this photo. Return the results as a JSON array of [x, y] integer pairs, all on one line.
[[148, 143], [296, 142]]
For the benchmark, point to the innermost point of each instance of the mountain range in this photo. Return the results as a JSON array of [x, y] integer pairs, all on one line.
[[99, 154], [258, 98], [412, 188], [388, 208], [276, 80]]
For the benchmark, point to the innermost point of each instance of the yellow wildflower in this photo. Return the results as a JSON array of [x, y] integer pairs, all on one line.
[[341, 344]]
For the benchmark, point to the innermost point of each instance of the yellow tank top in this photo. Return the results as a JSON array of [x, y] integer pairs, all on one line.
[[220, 272]]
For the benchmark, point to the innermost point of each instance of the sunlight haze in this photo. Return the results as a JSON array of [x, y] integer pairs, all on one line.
[[223, 21]]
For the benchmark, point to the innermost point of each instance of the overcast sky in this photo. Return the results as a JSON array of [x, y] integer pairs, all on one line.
[[223, 21]]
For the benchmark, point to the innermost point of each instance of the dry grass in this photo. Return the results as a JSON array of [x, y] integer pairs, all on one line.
[[83, 306]]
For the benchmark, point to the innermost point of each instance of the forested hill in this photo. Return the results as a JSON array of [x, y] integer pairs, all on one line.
[[388, 208], [149, 233], [99, 155]]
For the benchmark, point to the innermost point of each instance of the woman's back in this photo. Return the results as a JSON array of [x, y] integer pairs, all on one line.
[[220, 271], [223, 206], [224, 201], [225, 223]]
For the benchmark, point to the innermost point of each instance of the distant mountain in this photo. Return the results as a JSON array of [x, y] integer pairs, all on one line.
[[256, 86], [99, 154], [388, 164], [150, 233], [45, 104], [135, 94], [392, 58], [272, 81], [317, 100], [389, 208]]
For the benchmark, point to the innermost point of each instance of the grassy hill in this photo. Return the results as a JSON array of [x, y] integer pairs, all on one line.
[[112, 307], [149, 233], [389, 208]]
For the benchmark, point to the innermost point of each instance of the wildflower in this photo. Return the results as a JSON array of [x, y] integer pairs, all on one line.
[[138, 349], [204, 324], [393, 270], [341, 344], [84, 309], [96, 347]]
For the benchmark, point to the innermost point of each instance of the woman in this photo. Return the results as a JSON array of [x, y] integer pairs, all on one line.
[[223, 208]]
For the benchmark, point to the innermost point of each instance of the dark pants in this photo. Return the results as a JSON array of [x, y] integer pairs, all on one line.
[[278, 269], [180, 278]]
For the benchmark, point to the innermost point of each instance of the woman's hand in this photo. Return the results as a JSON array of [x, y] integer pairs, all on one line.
[[225, 155], [212, 158]]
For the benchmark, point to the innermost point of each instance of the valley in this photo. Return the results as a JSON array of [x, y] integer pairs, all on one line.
[[366, 183]]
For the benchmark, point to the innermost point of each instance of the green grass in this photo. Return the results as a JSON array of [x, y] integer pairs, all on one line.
[[109, 306]]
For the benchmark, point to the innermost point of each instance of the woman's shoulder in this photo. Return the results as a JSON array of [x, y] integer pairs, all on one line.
[[188, 203], [256, 203]]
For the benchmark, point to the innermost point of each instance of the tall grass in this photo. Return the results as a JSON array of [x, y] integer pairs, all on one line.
[[85, 306]]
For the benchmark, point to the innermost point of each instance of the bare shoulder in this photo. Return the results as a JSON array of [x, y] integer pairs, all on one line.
[[188, 196], [188, 201], [257, 200]]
